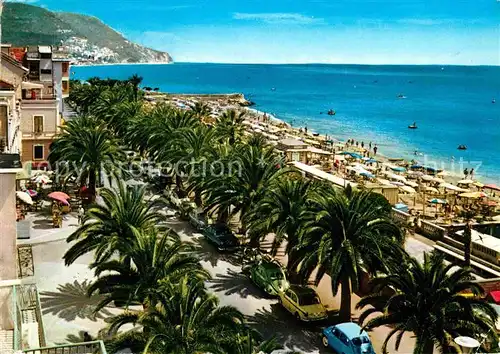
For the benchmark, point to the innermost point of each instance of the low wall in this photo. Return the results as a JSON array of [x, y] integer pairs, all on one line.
[[401, 215], [431, 230]]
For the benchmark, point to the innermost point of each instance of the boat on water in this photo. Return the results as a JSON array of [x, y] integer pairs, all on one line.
[[401, 96], [462, 147], [493, 101], [331, 112], [413, 126]]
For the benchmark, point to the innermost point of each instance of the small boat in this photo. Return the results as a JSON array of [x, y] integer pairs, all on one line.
[[493, 101], [462, 147], [401, 96], [273, 88], [331, 112], [413, 126]]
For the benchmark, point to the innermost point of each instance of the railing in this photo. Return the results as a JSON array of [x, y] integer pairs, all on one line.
[[40, 98], [431, 230], [401, 215], [95, 347]]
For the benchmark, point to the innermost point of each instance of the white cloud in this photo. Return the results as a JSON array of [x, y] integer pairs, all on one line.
[[277, 18]]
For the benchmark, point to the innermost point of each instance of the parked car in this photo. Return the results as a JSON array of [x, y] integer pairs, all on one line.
[[222, 237], [347, 338], [303, 303], [268, 275], [197, 220]]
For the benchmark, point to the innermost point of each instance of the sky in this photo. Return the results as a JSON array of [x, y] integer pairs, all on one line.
[[465, 32]]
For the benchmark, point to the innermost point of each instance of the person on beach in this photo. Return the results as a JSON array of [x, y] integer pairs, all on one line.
[[357, 143], [370, 145], [471, 173], [362, 144], [375, 148], [305, 129], [466, 173]]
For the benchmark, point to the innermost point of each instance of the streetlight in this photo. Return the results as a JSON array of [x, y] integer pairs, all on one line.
[[467, 344]]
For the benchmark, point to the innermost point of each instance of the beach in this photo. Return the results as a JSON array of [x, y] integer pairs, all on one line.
[[451, 105]]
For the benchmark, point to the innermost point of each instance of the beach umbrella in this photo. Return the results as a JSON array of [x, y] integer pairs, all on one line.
[[465, 181], [408, 189], [478, 184], [398, 169], [427, 178], [438, 201], [412, 184], [24, 197], [399, 184], [367, 174], [431, 190], [60, 197], [473, 195]]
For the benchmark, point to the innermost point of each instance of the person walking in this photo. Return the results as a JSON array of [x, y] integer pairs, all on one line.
[[471, 173], [375, 148], [466, 173], [81, 213]]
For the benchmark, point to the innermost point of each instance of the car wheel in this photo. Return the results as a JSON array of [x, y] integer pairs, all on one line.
[[297, 316], [324, 340]]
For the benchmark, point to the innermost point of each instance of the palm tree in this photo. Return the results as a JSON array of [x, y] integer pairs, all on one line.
[[426, 300], [346, 234], [201, 110], [108, 226], [148, 259], [182, 319], [246, 180], [281, 211], [248, 344], [230, 125], [135, 80], [86, 148], [468, 215]]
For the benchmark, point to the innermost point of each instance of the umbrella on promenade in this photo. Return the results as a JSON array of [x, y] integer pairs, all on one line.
[[24, 197], [60, 197], [32, 192]]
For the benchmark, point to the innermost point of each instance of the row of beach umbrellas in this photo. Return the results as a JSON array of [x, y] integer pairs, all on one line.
[[28, 195]]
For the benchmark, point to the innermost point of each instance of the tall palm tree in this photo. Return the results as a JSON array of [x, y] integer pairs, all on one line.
[[201, 110], [230, 125], [281, 211], [248, 344], [148, 259], [135, 80], [425, 300], [108, 226], [85, 148], [346, 234], [468, 215], [183, 319], [246, 180]]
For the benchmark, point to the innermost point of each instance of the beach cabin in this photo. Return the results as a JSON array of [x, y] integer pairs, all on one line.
[[297, 150], [390, 192], [293, 150]]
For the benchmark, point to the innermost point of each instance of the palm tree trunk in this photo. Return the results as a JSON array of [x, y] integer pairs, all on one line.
[[424, 346], [467, 244], [92, 184], [178, 184], [345, 300]]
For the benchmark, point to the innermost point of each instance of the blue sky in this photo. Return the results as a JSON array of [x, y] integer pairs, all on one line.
[[306, 31]]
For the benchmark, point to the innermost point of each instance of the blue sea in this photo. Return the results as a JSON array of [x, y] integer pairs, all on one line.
[[451, 105]]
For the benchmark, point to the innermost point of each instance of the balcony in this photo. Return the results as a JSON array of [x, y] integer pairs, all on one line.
[[95, 347], [33, 56]]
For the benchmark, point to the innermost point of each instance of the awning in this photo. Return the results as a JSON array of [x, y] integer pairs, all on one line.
[[492, 186], [26, 85]]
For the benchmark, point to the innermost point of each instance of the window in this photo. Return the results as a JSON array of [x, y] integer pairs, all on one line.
[[46, 71], [65, 86], [46, 55], [38, 124], [38, 152]]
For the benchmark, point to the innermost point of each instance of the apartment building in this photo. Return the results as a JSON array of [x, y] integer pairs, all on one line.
[[42, 103]]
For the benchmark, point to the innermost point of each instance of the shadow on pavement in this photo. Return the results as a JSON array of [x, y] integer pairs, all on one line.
[[208, 253], [291, 333], [71, 301], [236, 283], [43, 224]]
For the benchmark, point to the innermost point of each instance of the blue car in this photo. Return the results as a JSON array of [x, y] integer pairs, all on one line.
[[347, 338]]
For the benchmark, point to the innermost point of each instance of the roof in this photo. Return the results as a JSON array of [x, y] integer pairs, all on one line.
[[292, 142], [485, 240], [302, 290], [495, 295], [350, 329], [44, 49], [316, 172], [7, 58]]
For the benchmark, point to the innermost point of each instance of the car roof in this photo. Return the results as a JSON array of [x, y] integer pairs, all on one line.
[[302, 290], [350, 329]]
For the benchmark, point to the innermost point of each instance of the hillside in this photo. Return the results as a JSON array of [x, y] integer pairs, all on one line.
[[88, 38]]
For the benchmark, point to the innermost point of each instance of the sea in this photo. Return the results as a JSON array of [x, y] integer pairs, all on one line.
[[450, 105]]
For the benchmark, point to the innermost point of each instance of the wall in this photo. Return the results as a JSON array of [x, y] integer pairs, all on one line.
[[7, 225], [13, 75], [46, 64], [57, 76], [27, 149], [47, 108]]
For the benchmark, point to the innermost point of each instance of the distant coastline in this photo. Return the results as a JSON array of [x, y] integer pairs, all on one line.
[[121, 64]]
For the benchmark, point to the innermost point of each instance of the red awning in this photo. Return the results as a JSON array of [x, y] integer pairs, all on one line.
[[492, 186], [495, 295]]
